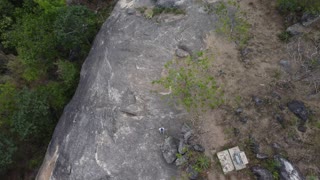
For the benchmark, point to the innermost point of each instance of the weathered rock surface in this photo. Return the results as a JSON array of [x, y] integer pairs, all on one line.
[[169, 150], [296, 29], [100, 136], [299, 109], [287, 170], [261, 173]]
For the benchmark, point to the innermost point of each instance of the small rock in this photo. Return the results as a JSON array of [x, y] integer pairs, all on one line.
[[282, 107], [187, 136], [302, 128], [183, 148], [192, 173], [299, 109], [244, 52], [185, 128], [243, 119], [280, 119], [296, 29], [288, 170], [276, 146], [262, 156], [285, 65], [181, 161], [169, 150], [308, 18], [166, 3], [181, 53], [131, 11], [261, 173], [198, 147], [239, 111], [257, 100]]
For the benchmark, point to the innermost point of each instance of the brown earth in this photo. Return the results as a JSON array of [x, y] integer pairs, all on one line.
[[258, 74]]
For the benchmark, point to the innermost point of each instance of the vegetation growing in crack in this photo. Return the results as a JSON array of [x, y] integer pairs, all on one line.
[[152, 12], [231, 22], [190, 81]]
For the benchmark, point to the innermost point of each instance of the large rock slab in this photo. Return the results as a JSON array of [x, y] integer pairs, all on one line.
[[109, 130], [288, 171]]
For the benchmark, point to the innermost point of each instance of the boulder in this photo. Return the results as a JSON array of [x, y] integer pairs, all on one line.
[[93, 135], [181, 53], [285, 65], [299, 109], [261, 173], [187, 136], [198, 148], [192, 173], [308, 19], [262, 156], [257, 101], [287, 170], [170, 3], [181, 161], [296, 29], [169, 150], [183, 147]]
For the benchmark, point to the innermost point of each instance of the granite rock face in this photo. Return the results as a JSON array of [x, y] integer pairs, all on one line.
[[109, 130]]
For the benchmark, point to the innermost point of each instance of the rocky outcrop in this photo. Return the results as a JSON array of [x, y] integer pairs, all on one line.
[[109, 130], [287, 170], [261, 173]]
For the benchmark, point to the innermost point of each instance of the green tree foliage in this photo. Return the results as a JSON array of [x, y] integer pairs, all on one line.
[[74, 28], [287, 6], [7, 151], [50, 41], [190, 81], [32, 118]]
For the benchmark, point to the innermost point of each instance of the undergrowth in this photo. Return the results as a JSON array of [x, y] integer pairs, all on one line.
[[232, 22], [190, 81]]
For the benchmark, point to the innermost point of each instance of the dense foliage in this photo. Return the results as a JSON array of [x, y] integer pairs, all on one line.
[[49, 41], [296, 6]]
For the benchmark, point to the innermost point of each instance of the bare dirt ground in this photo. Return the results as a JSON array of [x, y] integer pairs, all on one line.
[[259, 74]]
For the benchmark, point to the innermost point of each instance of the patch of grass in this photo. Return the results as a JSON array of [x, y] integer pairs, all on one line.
[[191, 83], [284, 36], [297, 6], [202, 163], [151, 12], [232, 25], [273, 167]]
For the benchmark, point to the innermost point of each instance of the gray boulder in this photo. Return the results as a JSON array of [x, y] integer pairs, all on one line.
[[183, 147], [170, 3], [296, 29], [287, 170], [262, 156], [97, 136], [181, 161], [261, 173], [308, 19], [192, 173], [299, 109], [169, 150], [198, 148]]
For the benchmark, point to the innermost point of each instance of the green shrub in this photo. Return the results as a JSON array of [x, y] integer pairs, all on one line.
[[289, 6], [74, 27], [32, 118], [190, 80], [202, 163], [7, 151], [285, 36], [233, 26]]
